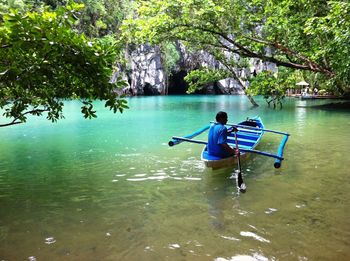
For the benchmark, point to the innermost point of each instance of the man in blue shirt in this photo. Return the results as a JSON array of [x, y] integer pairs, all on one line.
[[217, 137]]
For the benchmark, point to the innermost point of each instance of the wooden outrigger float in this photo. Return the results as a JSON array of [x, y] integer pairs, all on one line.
[[249, 135]]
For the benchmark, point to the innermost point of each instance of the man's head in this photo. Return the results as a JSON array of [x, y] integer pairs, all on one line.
[[221, 117]]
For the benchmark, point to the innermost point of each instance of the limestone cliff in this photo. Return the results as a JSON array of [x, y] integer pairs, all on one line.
[[147, 76]]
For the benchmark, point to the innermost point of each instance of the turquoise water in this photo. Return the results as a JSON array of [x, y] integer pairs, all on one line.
[[112, 189]]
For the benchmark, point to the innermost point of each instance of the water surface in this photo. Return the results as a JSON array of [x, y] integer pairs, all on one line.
[[112, 189]]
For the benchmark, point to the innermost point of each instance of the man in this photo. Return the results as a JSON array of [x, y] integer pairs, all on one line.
[[217, 137]]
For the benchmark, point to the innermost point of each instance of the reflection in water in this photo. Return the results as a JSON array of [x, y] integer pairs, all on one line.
[[219, 187], [254, 257], [255, 236], [300, 119]]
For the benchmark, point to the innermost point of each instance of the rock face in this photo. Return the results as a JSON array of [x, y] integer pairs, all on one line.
[[230, 86], [147, 75]]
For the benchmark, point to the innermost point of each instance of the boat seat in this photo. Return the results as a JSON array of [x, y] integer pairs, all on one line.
[[250, 123], [244, 137], [241, 142], [256, 132]]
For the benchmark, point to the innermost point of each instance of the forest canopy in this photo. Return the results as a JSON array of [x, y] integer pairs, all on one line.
[[300, 35]]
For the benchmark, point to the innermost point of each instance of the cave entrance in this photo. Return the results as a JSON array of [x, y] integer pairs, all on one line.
[[177, 83], [147, 90]]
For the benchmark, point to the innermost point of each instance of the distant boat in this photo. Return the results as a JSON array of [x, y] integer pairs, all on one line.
[[307, 96], [315, 96]]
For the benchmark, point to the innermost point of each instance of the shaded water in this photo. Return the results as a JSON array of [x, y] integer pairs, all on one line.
[[111, 188]]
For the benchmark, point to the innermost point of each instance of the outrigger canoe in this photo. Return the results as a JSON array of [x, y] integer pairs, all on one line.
[[249, 134], [247, 139]]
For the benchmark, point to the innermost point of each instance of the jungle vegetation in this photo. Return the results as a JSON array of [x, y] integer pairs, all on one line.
[[305, 37], [59, 49]]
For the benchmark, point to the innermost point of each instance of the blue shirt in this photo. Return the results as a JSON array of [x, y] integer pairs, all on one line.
[[217, 136]]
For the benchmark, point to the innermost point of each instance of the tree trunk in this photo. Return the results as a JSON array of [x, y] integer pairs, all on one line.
[[250, 98], [234, 76]]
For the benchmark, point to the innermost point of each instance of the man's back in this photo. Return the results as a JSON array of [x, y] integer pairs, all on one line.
[[216, 137]]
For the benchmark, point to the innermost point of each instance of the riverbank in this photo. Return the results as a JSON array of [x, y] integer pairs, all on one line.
[[338, 105], [344, 105], [312, 96]]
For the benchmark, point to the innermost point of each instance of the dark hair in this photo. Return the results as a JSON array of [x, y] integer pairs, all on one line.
[[221, 115]]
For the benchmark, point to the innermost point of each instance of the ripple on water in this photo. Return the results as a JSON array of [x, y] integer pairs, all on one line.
[[230, 238], [255, 236], [270, 210], [192, 178], [140, 175], [148, 178], [193, 165], [244, 213], [254, 257], [50, 240], [300, 205], [174, 246], [162, 178], [148, 248], [136, 179]]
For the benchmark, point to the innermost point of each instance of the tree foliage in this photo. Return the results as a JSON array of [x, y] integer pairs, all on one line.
[[270, 86], [332, 32], [201, 77], [310, 35], [170, 55], [102, 17], [43, 61], [96, 19]]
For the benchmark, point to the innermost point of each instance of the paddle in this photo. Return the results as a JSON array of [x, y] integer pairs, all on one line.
[[239, 179]]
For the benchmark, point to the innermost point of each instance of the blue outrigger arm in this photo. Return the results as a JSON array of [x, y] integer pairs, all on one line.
[[188, 137], [278, 162]]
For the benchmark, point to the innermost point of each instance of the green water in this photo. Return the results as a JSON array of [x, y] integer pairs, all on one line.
[[111, 188]]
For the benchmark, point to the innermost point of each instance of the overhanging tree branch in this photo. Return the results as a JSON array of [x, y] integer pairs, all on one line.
[[17, 120], [313, 66], [246, 52]]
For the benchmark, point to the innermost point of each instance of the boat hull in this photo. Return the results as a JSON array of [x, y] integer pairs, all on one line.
[[219, 163], [247, 139]]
